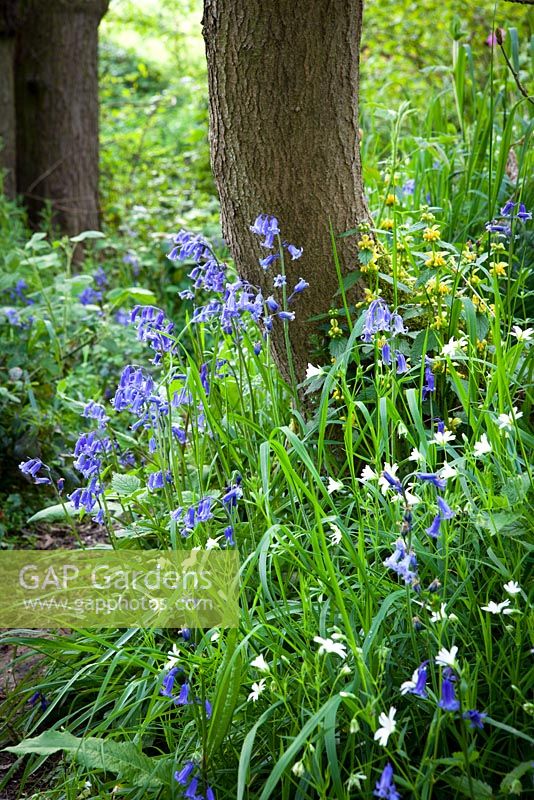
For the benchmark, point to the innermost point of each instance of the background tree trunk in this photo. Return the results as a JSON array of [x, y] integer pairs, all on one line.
[[57, 110], [283, 92], [8, 15]]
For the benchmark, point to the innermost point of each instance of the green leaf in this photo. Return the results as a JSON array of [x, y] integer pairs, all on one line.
[[88, 235], [226, 695], [124, 759], [139, 295], [476, 790], [53, 513], [125, 485]]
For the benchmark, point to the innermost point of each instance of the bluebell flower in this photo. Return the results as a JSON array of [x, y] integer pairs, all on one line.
[[268, 260], [182, 776], [287, 316], [394, 482], [294, 252], [385, 787], [40, 698], [122, 317], [204, 511], [271, 303], [257, 348], [88, 452], [430, 383], [433, 478], [409, 186], [300, 286], [89, 296], [397, 324], [60, 484], [100, 278], [445, 511], [208, 709], [386, 354], [417, 685], [402, 365], [13, 318], [402, 562], [191, 791], [507, 209], [279, 281], [130, 258], [183, 696], [168, 682], [153, 327], [99, 517], [155, 481], [476, 718], [433, 529], [440, 425], [495, 227], [448, 701], [86, 498], [229, 534], [232, 495], [523, 214], [185, 633], [96, 411], [32, 467], [189, 246], [266, 226]]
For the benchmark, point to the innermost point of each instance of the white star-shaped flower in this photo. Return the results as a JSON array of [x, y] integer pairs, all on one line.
[[173, 657], [387, 726], [260, 663], [212, 544], [522, 335], [506, 421], [447, 471], [334, 486], [330, 646], [392, 470], [411, 684], [336, 535], [454, 347], [257, 689], [512, 587], [368, 474], [416, 455], [447, 658], [313, 372], [498, 608], [442, 438], [482, 447]]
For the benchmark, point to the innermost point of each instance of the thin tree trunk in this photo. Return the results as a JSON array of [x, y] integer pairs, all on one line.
[[8, 9], [57, 110], [283, 93]]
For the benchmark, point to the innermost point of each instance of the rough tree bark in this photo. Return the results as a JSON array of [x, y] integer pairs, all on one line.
[[8, 19], [56, 84], [283, 94]]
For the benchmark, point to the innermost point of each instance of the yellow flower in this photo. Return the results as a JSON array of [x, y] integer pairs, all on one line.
[[391, 199], [335, 331], [427, 216], [467, 255], [497, 247], [431, 234], [440, 320], [498, 267], [481, 344], [435, 260], [475, 278], [387, 224], [366, 243], [369, 295]]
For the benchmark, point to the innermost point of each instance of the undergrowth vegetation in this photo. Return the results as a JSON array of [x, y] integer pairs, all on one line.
[[381, 509]]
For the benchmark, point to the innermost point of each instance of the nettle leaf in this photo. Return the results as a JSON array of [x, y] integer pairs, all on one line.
[[337, 347], [419, 347], [125, 485], [124, 759], [365, 256]]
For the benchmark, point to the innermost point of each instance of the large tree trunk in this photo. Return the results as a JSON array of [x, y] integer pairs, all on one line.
[[57, 110], [283, 91], [8, 14]]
